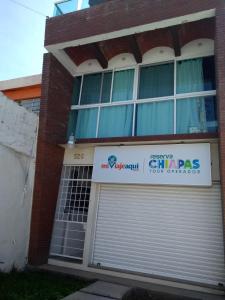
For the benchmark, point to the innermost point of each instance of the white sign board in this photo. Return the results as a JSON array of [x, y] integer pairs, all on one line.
[[175, 164]]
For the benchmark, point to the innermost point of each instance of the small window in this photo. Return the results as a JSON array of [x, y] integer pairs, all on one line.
[[156, 81], [123, 85], [32, 105], [116, 121], [196, 75], [155, 118]]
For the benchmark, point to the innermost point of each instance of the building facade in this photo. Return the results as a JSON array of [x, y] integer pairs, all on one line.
[[138, 90], [25, 91]]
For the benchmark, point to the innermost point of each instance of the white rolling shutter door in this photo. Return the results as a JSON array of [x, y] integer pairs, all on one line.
[[164, 231]]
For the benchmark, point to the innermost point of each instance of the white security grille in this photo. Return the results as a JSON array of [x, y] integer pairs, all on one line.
[[71, 212]]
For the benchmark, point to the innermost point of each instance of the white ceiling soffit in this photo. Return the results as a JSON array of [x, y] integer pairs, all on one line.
[[196, 48], [65, 60], [134, 30]]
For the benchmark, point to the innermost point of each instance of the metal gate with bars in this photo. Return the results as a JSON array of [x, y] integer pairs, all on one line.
[[71, 212]]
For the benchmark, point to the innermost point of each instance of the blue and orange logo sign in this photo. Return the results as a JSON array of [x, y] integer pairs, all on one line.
[[113, 164]]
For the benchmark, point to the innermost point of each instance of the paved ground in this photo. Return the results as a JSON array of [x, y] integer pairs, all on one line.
[[101, 290], [172, 291]]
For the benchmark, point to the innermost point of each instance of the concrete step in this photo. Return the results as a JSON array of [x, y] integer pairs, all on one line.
[[106, 289], [84, 296]]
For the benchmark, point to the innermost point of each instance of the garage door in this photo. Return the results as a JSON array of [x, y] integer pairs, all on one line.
[[173, 232]]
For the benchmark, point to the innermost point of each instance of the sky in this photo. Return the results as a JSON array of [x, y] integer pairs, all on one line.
[[22, 37]]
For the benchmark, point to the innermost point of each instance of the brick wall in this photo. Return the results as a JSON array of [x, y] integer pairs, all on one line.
[[220, 73], [116, 15], [56, 96]]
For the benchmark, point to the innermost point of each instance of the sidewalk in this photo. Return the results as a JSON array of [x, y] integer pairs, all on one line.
[[115, 283], [101, 290]]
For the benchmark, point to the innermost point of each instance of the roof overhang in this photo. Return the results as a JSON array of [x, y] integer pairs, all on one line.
[[119, 19], [20, 82]]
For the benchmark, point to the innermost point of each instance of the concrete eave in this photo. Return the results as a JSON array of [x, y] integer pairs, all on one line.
[[20, 82]]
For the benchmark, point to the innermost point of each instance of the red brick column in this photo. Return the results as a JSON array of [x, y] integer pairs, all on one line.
[[57, 86], [220, 73]]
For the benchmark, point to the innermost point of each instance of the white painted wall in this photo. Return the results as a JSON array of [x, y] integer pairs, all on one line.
[[18, 129]]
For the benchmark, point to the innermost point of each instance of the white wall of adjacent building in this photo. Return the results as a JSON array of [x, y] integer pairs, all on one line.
[[18, 131]]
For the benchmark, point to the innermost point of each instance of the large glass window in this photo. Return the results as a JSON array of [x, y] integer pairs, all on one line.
[[177, 97], [116, 121], [96, 88], [155, 118], [156, 81]]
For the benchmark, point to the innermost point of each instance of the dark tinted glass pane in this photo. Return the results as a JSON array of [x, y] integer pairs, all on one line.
[[211, 114], [209, 73], [156, 81], [76, 90], [81, 172], [106, 87], [196, 75], [89, 175], [91, 89]]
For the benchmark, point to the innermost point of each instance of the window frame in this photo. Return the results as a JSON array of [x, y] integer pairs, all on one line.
[[113, 71], [135, 101]]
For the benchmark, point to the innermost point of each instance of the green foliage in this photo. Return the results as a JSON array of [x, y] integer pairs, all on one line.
[[37, 285]]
